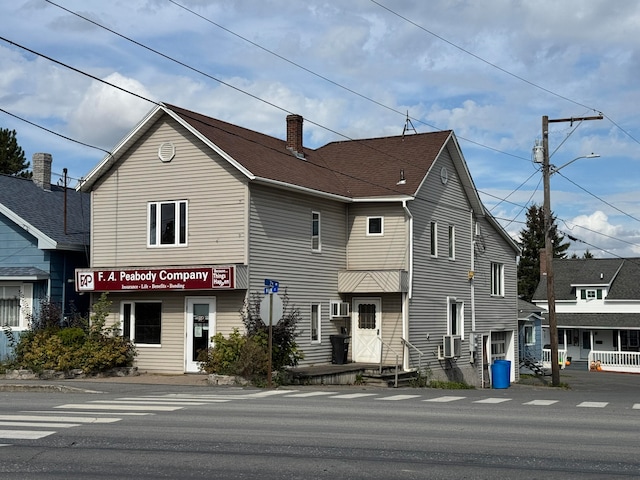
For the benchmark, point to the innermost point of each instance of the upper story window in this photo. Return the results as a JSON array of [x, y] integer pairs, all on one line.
[[497, 279], [374, 226], [591, 294], [315, 231], [167, 223], [452, 242], [433, 239]]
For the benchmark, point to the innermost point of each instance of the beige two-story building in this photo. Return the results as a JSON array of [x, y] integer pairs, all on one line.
[[383, 239]]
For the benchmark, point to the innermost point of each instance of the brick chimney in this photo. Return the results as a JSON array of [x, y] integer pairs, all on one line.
[[42, 170], [294, 134]]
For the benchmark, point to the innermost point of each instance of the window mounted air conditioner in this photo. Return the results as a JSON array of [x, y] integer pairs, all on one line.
[[339, 309], [451, 346]]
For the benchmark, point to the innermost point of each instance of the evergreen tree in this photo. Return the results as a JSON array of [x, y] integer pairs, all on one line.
[[12, 159], [531, 243]]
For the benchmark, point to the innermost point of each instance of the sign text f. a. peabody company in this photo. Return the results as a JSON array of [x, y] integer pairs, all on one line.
[[141, 279]]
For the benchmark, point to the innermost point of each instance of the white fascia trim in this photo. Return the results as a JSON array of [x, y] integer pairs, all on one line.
[[298, 188], [44, 241], [403, 198]]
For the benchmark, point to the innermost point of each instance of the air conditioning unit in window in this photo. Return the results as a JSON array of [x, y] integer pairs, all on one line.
[[451, 346], [339, 309]]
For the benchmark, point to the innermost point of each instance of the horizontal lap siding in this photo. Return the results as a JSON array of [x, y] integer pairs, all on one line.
[[280, 249], [371, 252], [168, 357], [436, 278], [216, 195]]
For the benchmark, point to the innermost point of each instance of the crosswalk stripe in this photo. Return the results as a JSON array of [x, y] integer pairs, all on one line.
[[443, 399], [636, 406], [398, 397], [25, 434], [493, 400], [354, 395], [141, 401], [39, 424], [166, 398], [120, 414], [593, 404], [43, 418], [311, 394], [83, 406], [543, 403], [268, 393]]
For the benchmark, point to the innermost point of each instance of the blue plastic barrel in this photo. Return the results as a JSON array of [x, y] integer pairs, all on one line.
[[501, 374]]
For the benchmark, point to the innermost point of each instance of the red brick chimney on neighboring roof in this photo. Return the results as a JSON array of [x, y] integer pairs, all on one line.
[[294, 134]]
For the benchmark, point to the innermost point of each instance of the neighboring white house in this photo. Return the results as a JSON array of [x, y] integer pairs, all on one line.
[[597, 305], [384, 239]]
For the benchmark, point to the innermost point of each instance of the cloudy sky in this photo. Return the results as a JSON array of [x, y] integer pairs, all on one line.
[[489, 70]]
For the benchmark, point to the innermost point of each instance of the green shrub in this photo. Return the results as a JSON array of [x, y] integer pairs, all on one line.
[[49, 346]]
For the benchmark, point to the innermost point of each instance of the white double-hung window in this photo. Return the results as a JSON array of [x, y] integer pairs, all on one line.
[[167, 223]]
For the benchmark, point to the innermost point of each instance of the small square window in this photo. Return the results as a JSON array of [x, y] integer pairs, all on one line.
[[374, 226]]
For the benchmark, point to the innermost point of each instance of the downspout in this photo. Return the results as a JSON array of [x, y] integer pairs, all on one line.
[[472, 337], [406, 297]]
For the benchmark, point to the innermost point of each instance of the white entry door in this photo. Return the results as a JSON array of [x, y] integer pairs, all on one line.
[[201, 313], [366, 329]]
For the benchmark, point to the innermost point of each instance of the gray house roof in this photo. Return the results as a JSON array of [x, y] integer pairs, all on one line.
[[526, 309], [620, 275], [597, 320], [40, 212]]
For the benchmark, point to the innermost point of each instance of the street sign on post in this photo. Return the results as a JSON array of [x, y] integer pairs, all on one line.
[[268, 310]]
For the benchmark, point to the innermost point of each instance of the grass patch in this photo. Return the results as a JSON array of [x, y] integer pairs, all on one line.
[[450, 385]]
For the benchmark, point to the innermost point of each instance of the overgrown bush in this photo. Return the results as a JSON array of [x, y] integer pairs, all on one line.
[[49, 345], [248, 355]]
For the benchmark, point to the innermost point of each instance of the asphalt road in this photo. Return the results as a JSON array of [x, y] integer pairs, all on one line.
[[122, 430]]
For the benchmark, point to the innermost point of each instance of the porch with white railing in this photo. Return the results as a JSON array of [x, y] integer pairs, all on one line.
[[546, 358], [626, 362]]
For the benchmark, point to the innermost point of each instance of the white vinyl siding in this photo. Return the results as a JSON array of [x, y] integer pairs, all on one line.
[[217, 199]]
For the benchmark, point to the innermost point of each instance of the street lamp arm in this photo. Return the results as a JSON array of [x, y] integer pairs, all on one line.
[[553, 169]]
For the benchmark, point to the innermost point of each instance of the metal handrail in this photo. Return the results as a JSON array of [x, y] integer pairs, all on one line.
[[382, 344], [420, 352]]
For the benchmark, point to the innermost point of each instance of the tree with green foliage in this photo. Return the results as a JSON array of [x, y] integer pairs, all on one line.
[[12, 159], [531, 243]]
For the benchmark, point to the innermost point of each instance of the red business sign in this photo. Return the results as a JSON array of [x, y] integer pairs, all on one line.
[[149, 279]]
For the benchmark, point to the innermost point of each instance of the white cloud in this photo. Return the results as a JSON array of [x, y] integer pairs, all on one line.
[[105, 113]]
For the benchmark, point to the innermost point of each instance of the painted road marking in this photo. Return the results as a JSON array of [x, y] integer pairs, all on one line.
[[398, 397], [354, 395], [42, 418], [82, 406], [493, 400], [444, 399], [24, 434], [543, 403], [311, 394], [593, 404]]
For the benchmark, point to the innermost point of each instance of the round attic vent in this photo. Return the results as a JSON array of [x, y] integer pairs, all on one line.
[[166, 151]]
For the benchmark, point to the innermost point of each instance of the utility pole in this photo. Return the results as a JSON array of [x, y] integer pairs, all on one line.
[[548, 244]]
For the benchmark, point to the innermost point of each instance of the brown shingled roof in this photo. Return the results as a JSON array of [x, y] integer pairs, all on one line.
[[352, 168]]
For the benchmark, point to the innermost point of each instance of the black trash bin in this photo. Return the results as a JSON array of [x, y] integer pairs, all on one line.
[[340, 348]]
